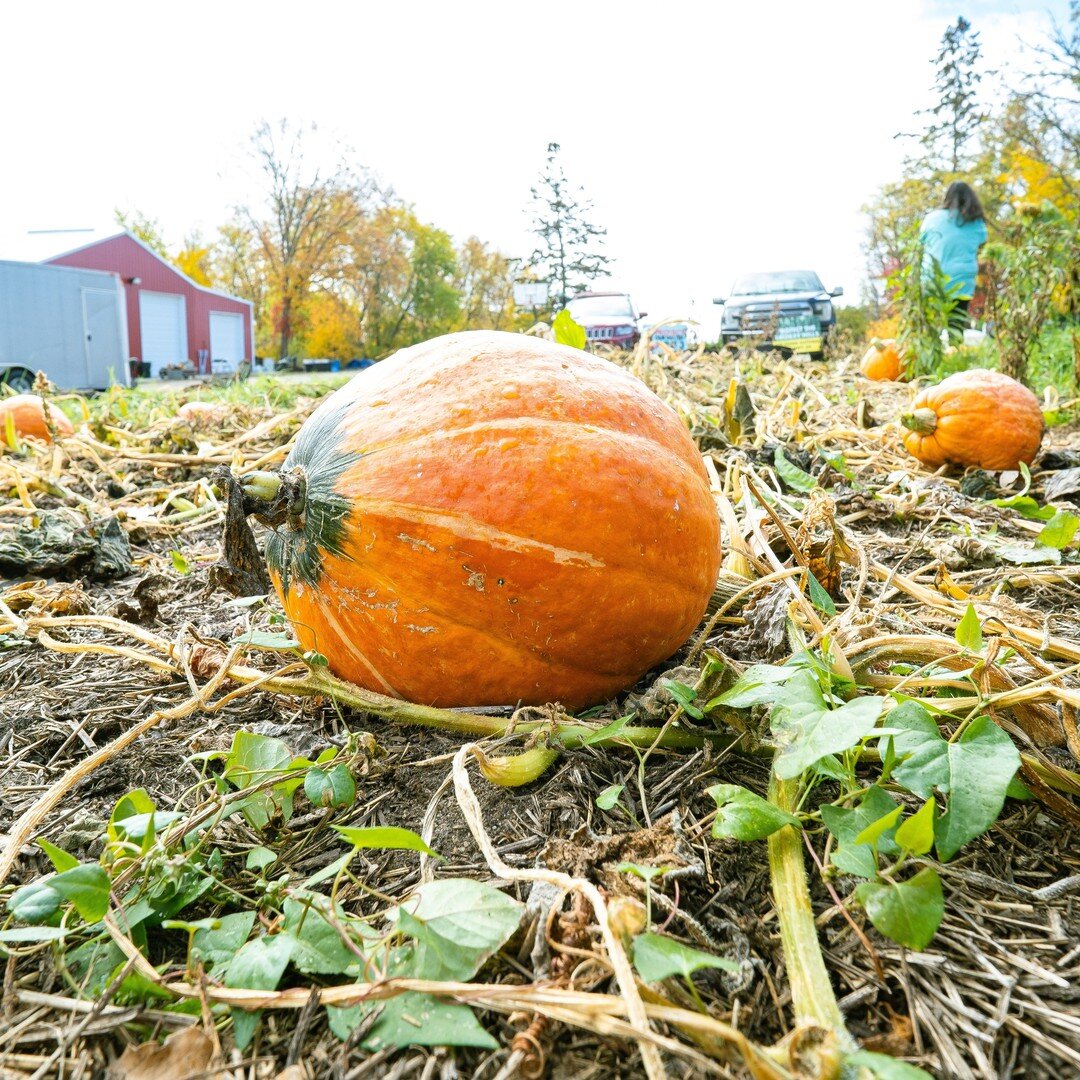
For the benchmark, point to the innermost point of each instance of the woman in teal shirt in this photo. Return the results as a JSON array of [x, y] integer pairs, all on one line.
[[953, 236]]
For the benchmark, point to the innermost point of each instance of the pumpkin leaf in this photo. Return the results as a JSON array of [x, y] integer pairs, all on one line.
[[1059, 531], [848, 823], [87, 887], [384, 838], [61, 860], [974, 772], [685, 696], [412, 1019], [758, 685], [657, 957], [916, 834], [969, 631], [909, 911], [609, 797], [807, 729], [567, 331], [743, 815], [790, 473], [458, 924], [818, 596], [333, 787]]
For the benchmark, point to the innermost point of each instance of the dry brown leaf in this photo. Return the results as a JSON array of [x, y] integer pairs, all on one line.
[[183, 1055]]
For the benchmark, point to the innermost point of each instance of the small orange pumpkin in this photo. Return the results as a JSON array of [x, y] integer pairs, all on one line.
[[882, 361], [27, 412], [975, 418], [489, 518]]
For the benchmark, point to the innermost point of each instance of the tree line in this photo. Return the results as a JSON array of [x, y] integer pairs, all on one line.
[[337, 265]]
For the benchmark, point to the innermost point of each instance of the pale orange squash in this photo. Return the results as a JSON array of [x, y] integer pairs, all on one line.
[[975, 418], [27, 412], [882, 361], [489, 518]]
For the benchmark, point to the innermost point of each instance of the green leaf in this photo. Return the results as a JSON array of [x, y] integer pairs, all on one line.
[[1026, 507], [909, 911], [333, 787], [884, 1067], [609, 796], [1059, 531], [179, 562], [975, 772], [969, 633], [792, 476], [457, 924], [657, 958], [807, 729], [384, 837], [917, 833], [35, 903], [87, 887], [818, 596], [758, 685], [220, 944], [646, 873], [261, 962], [685, 696], [568, 332], [259, 857], [60, 859], [318, 947], [412, 1019], [21, 935], [743, 815], [263, 639], [846, 823], [608, 731], [1017, 789], [253, 758], [1021, 555], [876, 829]]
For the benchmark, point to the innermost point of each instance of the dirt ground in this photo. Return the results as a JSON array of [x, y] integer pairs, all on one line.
[[996, 994]]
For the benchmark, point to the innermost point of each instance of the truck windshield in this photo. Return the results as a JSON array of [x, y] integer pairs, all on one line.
[[593, 306], [784, 281]]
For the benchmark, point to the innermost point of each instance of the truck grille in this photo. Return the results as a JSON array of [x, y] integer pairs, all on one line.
[[598, 333], [765, 316]]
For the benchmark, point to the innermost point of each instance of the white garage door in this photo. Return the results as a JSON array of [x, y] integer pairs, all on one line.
[[226, 336], [163, 326]]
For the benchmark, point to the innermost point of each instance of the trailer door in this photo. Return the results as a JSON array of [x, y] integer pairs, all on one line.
[[104, 359]]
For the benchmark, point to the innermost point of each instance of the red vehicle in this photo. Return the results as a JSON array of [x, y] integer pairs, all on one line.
[[609, 318]]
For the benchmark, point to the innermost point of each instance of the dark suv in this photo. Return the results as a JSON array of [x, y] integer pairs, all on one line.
[[789, 309], [608, 318]]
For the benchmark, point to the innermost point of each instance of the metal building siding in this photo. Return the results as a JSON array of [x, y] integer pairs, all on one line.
[[125, 256], [43, 324]]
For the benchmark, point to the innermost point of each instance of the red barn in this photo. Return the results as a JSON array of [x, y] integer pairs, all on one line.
[[170, 317]]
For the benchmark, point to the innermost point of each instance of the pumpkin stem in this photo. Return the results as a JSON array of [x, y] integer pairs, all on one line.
[[275, 498], [924, 421]]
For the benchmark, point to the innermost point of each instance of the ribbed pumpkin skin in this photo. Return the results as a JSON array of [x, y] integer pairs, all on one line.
[[984, 419], [494, 519], [881, 362], [28, 413]]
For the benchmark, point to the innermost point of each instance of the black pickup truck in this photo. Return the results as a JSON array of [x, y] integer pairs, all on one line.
[[788, 309]]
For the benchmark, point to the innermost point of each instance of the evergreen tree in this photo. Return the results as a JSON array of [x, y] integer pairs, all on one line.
[[957, 115], [566, 254]]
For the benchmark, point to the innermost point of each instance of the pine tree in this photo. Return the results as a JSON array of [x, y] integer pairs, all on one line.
[[957, 115], [566, 254]]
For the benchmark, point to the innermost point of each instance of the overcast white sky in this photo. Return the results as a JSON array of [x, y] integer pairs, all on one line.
[[711, 137]]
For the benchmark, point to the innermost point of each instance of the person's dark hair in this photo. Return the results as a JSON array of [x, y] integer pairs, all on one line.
[[961, 197]]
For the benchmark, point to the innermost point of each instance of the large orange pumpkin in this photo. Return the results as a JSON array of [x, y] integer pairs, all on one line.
[[488, 518], [975, 418], [27, 412], [882, 361]]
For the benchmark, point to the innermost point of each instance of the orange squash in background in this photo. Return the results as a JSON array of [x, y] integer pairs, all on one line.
[[882, 361], [975, 418], [27, 412], [489, 518]]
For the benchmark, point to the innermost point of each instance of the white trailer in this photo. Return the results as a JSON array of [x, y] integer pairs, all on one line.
[[68, 323]]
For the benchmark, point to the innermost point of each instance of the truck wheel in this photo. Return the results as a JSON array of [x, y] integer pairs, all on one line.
[[20, 379]]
